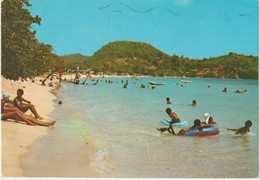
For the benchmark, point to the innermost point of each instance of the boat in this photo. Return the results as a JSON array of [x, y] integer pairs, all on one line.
[[155, 83], [185, 81]]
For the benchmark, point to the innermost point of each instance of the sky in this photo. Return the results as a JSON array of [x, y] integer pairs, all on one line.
[[192, 28]]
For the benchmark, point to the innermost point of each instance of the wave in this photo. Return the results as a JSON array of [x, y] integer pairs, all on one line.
[[102, 162]]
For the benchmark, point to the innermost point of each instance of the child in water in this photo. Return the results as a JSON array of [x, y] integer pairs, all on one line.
[[243, 130], [173, 116]]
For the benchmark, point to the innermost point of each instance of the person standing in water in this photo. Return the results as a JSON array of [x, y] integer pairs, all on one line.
[[18, 102], [243, 130]]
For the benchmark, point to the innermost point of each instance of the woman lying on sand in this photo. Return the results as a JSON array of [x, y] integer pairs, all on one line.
[[16, 114]]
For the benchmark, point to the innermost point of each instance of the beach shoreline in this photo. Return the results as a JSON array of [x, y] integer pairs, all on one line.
[[16, 138]]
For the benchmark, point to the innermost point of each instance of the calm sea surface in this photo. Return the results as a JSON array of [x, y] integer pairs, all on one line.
[[122, 124]]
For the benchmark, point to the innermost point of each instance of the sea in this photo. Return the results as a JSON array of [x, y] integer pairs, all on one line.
[[120, 123]]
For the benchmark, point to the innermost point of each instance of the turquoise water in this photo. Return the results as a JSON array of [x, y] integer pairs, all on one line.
[[122, 124]]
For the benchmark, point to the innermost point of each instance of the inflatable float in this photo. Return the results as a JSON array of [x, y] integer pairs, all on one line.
[[182, 123], [210, 131]]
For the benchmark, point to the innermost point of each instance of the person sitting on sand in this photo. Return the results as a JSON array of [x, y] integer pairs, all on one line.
[[243, 130], [18, 102], [197, 125], [16, 114], [224, 90], [173, 116], [168, 100], [194, 103]]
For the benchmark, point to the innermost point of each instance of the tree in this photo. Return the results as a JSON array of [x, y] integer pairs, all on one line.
[[22, 54]]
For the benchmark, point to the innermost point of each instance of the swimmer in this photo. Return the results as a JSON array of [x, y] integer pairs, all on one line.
[[168, 100], [224, 90], [243, 130], [194, 103], [142, 86]]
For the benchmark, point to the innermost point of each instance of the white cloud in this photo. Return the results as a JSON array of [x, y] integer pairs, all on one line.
[[183, 2]]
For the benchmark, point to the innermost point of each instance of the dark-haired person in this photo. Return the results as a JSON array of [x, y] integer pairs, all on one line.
[[243, 130], [168, 100], [18, 102], [16, 114], [173, 116], [197, 125], [194, 103], [210, 121]]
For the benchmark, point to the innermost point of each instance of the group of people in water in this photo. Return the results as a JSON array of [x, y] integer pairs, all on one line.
[[209, 122], [237, 91], [168, 100], [16, 110]]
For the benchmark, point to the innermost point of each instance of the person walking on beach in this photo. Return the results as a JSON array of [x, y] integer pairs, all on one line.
[[243, 130], [18, 102], [16, 114]]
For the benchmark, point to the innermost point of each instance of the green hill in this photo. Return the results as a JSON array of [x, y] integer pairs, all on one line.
[[142, 58], [74, 58], [127, 57]]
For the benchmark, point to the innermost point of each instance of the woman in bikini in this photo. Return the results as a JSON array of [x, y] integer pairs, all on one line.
[[16, 114], [18, 102]]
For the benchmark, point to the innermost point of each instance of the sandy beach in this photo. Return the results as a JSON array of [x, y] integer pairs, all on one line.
[[17, 137]]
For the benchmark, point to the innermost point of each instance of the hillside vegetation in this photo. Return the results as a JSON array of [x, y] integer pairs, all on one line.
[[142, 58]]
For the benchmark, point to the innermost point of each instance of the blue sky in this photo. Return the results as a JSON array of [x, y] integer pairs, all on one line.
[[192, 28]]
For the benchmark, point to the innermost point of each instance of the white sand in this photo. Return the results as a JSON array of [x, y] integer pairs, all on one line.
[[17, 137]]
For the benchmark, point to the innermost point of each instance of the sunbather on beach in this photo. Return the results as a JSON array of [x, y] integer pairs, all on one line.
[[18, 102], [173, 116], [16, 114], [243, 130]]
